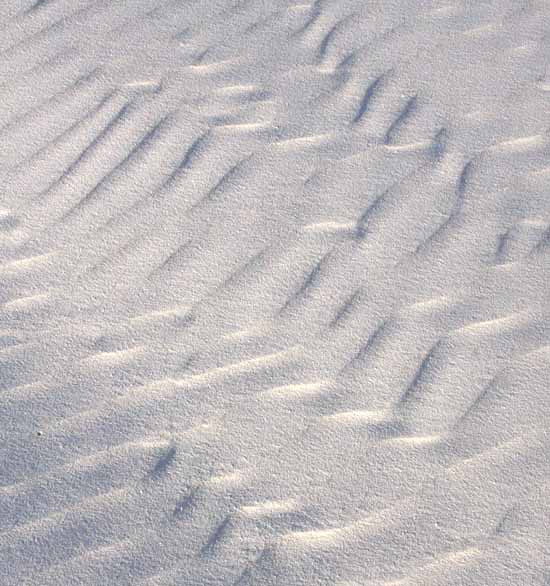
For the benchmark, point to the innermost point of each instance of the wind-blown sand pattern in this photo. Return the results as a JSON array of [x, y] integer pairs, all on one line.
[[274, 282]]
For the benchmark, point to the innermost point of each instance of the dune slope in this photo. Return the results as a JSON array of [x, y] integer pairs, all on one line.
[[274, 292]]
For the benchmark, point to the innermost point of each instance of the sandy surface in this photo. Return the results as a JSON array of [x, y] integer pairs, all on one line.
[[274, 292]]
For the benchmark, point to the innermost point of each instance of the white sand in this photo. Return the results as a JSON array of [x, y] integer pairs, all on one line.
[[274, 281]]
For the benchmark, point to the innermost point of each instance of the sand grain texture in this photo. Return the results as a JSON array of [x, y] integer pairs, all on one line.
[[274, 287]]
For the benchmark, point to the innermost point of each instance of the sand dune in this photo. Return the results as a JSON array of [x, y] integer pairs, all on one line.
[[274, 292]]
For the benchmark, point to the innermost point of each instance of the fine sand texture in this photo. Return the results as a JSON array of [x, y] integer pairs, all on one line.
[[274, 292]]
